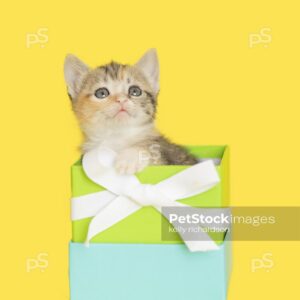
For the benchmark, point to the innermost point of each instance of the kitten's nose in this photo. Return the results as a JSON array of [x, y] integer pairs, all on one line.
[[121, 99]]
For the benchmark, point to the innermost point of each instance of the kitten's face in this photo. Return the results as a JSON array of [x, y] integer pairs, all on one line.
[[113, 95]]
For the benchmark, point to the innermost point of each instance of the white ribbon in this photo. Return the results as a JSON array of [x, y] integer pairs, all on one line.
[[125, 195]]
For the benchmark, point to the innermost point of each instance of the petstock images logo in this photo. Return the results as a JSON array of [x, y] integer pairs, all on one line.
[[241, 223]]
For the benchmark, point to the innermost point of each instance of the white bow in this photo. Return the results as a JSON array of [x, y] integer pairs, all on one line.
[[125, 195]]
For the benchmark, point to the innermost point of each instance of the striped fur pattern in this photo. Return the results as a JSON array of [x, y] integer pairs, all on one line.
[[122, 120]]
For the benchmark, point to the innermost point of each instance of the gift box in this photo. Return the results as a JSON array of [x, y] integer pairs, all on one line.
[[148, 271], [145, 225], [130, 260]]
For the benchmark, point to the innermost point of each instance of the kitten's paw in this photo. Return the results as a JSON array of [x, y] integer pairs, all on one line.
[[130, 162]]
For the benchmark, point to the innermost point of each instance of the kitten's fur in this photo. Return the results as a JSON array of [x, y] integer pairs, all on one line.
[[131, 131]]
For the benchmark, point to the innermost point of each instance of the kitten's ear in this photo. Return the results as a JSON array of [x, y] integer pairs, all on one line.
[[149, 65], [74, 70]]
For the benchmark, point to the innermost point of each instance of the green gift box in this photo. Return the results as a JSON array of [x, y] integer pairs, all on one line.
[[145, 225]]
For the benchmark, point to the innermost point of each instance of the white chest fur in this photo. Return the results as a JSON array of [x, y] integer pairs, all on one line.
[[118, 138]]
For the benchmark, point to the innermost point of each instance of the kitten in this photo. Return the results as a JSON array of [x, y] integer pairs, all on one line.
[[115, 105]]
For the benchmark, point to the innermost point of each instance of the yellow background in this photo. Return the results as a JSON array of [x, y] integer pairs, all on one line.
[[215, 89]]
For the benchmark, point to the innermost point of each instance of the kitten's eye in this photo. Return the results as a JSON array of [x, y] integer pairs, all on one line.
[[102, 93], [135, 91]]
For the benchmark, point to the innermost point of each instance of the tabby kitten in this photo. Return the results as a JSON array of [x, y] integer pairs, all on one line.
[[115, 105]]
